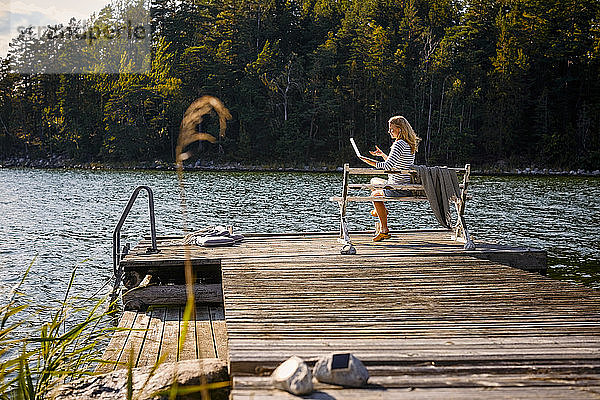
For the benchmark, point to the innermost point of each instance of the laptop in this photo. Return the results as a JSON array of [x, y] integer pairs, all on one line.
[[358, 152]]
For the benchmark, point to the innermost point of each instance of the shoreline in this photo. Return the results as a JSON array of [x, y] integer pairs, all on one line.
[[63, 163]]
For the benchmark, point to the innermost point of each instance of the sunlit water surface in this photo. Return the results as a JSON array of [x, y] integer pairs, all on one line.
[[64, 219]]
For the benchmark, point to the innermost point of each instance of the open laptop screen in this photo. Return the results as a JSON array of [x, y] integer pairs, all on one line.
[[358, 152], [355, 148]]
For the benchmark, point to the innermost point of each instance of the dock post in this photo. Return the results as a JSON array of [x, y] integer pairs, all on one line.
[[348, 248], [461, 225]]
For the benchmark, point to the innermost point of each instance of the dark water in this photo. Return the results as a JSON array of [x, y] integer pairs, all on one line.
[[65, 219]]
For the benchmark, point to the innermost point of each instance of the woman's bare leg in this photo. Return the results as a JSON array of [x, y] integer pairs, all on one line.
[[381, 211], [377, 192], [382, 214]]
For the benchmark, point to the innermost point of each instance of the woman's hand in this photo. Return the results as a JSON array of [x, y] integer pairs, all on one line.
[[377, 152]]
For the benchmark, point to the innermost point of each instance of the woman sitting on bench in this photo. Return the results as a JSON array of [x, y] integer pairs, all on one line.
[[402, 155]]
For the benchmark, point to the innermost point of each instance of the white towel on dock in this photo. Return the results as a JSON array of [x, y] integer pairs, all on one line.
[[212, 241], [213, 236]]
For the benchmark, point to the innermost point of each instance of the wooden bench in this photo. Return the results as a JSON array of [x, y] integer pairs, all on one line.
[[461, 232]]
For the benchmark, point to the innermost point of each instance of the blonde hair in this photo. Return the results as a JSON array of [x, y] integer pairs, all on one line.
[[406, 132]]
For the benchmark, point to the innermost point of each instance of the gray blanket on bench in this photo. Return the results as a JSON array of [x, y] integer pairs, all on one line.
[[441, 187]]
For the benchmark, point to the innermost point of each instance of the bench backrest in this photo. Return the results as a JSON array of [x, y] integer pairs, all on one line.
[[466, 171]]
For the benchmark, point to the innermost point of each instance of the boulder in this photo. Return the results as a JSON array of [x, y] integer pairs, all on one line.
[[294, 376], [342, 369], [148, 385]]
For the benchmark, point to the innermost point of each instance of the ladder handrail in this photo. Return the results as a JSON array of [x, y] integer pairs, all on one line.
[[117, 232]]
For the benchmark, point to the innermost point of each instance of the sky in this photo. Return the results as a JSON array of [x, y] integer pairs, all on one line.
[[15, 13]]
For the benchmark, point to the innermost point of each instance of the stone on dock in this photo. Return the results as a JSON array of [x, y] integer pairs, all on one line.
[[341, 369], [294, 376]]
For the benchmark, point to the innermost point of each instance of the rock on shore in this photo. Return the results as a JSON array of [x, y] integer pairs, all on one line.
[[147, 385]]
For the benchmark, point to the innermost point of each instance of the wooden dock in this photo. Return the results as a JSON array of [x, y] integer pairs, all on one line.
[[144, 337], [428, 319]]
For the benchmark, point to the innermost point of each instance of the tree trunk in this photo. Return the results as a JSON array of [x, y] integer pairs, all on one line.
[[441, 109], [428, 141]]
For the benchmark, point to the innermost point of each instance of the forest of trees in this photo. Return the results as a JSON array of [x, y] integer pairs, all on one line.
[[513, 82]]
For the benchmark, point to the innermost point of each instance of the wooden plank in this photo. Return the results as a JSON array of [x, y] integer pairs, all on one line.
[[171, 295], [169, 342], [117, 342], [537, 379], [395, 247], [476, 387], [135, 341], [409, 343], [204, 333], [151, 347], [270, 356], [219, 329], [189, 349], [411, 393], [169, 259]]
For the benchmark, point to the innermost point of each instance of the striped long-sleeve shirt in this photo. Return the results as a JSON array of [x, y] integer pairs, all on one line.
[[400, 157]]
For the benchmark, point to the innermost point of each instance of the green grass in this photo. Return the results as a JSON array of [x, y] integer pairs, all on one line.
[[58, 351]]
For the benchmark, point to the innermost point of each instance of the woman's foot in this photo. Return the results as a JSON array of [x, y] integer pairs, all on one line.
[[374, 213], [381, 236]]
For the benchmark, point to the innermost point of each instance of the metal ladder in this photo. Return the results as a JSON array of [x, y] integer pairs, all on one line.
[[118, 256]]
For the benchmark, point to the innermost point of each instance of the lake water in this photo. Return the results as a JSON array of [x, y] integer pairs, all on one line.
[[64, 219]]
